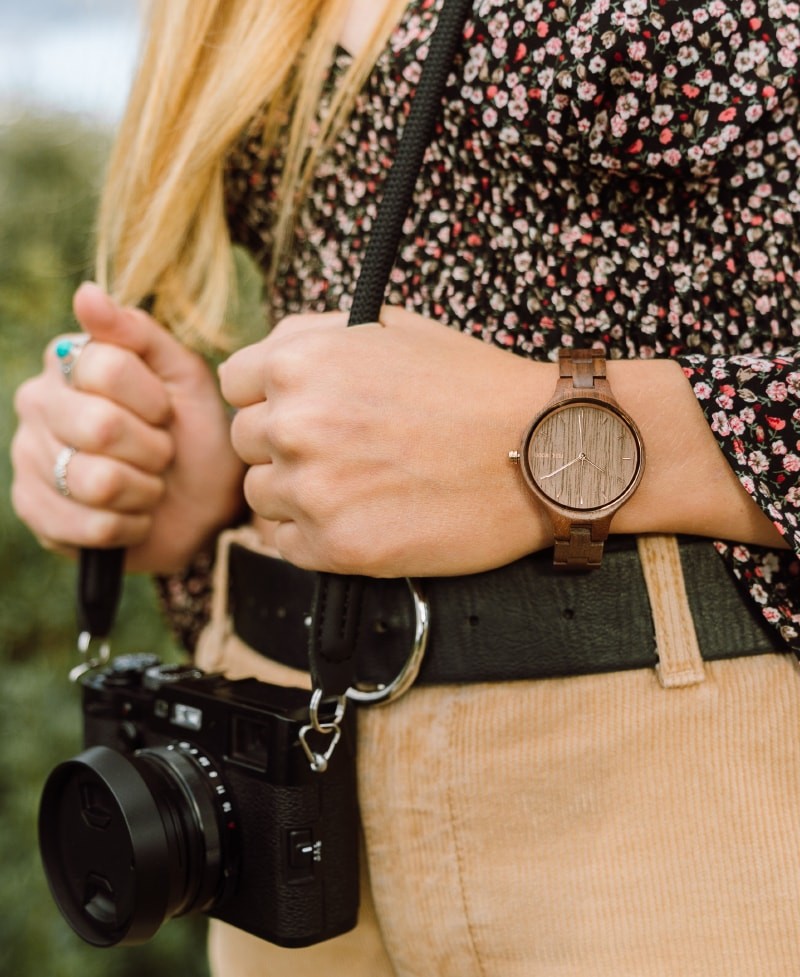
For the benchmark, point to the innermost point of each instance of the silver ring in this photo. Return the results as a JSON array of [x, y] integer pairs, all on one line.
[[63, 459], [68, 350]]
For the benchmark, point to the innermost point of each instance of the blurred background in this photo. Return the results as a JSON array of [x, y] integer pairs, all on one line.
[[65, 66]]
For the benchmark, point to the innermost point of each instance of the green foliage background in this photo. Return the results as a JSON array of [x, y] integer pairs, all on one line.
[[50, 171]]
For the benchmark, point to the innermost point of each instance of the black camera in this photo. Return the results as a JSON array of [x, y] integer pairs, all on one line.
[[195, 794]]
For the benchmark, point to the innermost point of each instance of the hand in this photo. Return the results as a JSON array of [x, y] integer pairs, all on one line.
[[154, 469], [383, 449]]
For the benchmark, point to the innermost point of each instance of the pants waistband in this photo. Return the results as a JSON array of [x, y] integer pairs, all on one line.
[[522, 621]]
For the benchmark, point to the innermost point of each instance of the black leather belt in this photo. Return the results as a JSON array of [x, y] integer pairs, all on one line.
[[522, 621]]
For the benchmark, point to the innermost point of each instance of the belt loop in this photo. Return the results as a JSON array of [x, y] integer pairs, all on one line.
[[680, 662]]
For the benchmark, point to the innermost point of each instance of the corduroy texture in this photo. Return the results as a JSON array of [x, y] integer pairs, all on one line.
[[602, 826]]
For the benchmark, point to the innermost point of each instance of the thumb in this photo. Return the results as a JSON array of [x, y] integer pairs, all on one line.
[[108, 322]]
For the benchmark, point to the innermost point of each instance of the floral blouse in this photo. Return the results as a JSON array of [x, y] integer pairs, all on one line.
[[622, 172]]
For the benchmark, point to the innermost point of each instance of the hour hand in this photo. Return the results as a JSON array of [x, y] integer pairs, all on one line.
[[603, 471], [562, 468]]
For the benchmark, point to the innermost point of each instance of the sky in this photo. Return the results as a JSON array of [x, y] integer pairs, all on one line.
[[66, 55]]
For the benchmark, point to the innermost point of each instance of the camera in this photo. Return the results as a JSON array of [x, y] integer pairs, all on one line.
[[195, 794]]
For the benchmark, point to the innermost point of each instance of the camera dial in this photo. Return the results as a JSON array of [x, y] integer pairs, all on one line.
[[130, 841]]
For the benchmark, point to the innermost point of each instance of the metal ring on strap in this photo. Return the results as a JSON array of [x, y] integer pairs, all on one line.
[[405, 679]]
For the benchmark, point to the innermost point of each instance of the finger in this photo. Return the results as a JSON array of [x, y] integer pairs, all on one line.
[[103, 483], [107, 321], [246, 375], [99, 426], [263, 496], [87, 479], [249, 435], [62, 523], [118, 374]]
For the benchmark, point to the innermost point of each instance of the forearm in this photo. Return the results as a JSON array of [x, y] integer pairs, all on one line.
[[688, 486]]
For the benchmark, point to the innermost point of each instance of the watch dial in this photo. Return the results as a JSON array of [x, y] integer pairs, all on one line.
[[583, 456]]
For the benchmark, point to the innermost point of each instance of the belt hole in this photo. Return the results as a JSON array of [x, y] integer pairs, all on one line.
[[568, 613], [380, 627], [473, 620]]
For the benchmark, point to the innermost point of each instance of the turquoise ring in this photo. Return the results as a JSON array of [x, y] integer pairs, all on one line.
[[67, 352]]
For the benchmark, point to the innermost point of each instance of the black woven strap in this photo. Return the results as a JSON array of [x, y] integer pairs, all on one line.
[[338, 598], [387, 230], [99, 588]]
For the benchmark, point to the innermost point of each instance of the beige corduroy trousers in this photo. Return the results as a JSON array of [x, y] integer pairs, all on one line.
[[634, 824]]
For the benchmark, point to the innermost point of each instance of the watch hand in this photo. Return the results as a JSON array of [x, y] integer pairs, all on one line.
[[562, 468], [603, 471]]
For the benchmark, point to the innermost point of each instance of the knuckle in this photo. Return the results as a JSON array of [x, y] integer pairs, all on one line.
[[27, 398], [18, 452], [21, 501], [282, 436], [283, 369], [163, 452], [105, 529], [106, 484], [318, 503], [103, 368], [290, 429], [102, 426]]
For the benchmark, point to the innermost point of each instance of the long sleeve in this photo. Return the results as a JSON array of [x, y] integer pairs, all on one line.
[[752, 404]]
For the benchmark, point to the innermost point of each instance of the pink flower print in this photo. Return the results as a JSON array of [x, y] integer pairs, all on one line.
[[618, 126], [683, 31], [727, 115], [719, 424], [758, 462], [748, 415]]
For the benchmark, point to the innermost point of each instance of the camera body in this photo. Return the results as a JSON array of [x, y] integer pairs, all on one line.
[[195, 794]]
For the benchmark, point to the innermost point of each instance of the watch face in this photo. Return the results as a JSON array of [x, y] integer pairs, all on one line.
[[582, 456]]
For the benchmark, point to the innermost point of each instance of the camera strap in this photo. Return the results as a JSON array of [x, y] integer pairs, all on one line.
[[336, 614], [98, 594]]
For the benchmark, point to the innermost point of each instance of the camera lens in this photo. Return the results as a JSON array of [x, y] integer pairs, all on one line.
[[129, 841]]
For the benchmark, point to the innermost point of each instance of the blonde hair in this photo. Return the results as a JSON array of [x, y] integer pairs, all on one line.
[[207, 68]]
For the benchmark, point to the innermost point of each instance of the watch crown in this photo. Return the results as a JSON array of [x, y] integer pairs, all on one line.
[[514, 456]]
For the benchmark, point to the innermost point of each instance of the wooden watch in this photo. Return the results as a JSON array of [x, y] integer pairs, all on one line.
[[582, 457]]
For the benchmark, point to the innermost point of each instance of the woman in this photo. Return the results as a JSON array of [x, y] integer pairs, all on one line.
[[616, 175]]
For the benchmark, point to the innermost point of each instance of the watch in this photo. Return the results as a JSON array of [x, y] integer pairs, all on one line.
[[582, 457]]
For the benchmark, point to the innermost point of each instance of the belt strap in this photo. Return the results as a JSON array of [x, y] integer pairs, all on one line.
[[521, 621]]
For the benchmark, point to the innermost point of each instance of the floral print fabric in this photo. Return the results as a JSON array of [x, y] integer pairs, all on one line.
[[621, 172]]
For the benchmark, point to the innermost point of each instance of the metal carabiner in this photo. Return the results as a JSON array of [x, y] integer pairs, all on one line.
[[331, 727], [89, 663]]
